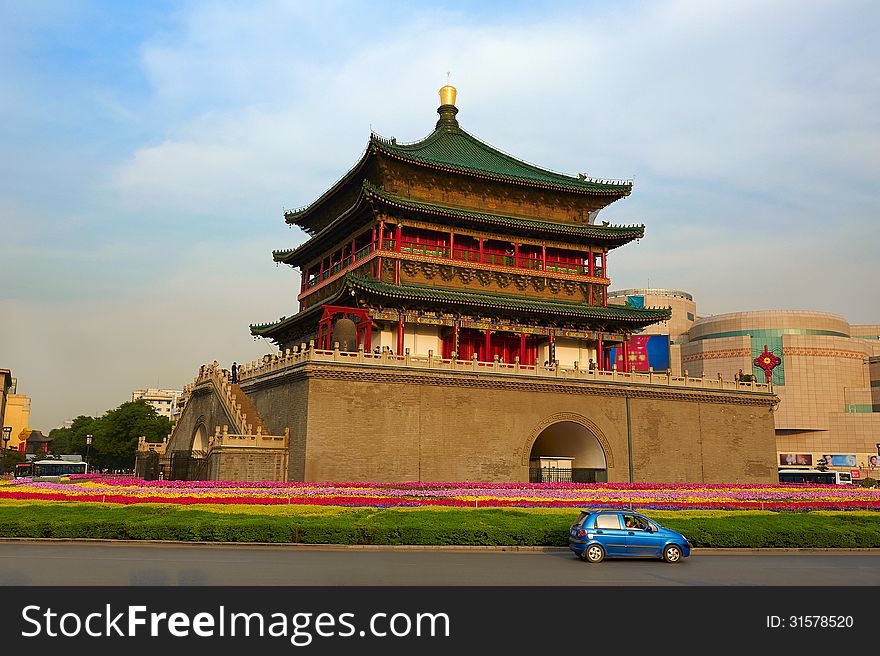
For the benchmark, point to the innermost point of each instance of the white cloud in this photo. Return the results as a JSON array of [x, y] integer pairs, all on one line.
[[85, 357], [743, 123]]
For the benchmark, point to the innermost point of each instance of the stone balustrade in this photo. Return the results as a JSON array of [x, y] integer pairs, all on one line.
[[222, 382], [307, 353], [249, 441], [157, 447]]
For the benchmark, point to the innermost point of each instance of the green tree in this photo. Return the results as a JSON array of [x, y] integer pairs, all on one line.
[[116, 434], [72, 440], [13, 457]]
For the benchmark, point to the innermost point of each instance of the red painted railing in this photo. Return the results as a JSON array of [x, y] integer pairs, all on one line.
[[460, 254]]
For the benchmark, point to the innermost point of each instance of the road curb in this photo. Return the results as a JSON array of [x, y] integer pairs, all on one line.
[[696, 551]]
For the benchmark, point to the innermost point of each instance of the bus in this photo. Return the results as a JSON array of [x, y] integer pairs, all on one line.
[[24, 470], [814, 476], [49, 469]]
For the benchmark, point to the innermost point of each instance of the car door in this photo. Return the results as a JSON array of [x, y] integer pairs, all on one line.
[[640, 539], [610, 534]]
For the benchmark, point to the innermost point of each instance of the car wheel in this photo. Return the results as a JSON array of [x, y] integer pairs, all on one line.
[[672, 553], [594, 554]]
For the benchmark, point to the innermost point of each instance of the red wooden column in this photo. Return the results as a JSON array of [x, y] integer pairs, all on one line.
[[451, 245], [625, 349], [543, 257], [380, 246], [368, 336], [591, 263], [605, 295], [481, 250], [600, 355], [323, 334], [516, 264], [397, 243], [522, 348], [455, 346], [352, 251], [488, 354], [400, 335], [605, 264]]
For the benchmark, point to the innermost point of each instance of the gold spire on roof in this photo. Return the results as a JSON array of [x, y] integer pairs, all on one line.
[[447, 93]]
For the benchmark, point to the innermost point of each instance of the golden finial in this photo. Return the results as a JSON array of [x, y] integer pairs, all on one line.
[[447, 93]]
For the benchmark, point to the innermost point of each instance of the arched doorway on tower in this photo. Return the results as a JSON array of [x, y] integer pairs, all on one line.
[[567, 452]]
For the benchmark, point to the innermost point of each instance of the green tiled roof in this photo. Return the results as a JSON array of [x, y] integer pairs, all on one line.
[[450, 147], [279, 256], [624, 233], [617, 235], [266, 329], [455, 297]]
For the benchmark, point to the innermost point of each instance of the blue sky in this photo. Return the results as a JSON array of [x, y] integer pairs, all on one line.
[[149, 149]]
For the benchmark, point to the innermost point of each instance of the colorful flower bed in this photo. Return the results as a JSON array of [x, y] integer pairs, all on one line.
[[122, 490]]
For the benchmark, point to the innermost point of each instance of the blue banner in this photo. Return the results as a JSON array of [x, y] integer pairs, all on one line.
[[635, 302]]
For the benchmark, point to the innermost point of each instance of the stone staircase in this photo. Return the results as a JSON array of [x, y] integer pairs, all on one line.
[[245, 418]]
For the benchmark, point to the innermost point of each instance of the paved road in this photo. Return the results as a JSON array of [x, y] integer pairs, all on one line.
[[74, 563]]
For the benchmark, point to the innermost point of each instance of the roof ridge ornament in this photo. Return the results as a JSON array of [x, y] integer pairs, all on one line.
[[447, 109]]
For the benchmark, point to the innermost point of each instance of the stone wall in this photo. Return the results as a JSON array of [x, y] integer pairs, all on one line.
[[373, 422], [236, 464]]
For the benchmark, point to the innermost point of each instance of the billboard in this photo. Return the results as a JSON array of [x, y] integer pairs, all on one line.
[[645, 352], [786, 459], [839, 460]]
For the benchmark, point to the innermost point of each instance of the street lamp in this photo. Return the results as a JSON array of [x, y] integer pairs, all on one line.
[[88, 446], [7, 435]]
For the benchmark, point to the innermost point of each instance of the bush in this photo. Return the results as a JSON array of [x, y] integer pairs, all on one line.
[[421, 526]]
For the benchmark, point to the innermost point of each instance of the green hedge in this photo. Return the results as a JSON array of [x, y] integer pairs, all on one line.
[[535, 527]]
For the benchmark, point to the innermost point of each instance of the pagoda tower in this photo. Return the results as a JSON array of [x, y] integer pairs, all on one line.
[[450, 246]]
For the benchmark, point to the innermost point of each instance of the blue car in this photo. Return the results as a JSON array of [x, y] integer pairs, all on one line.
[[609, 533]]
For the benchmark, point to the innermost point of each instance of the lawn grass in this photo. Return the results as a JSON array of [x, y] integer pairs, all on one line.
[[415, 526]]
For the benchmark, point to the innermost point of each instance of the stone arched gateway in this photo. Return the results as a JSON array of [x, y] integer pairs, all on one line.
[[200, 436], [567, 447]]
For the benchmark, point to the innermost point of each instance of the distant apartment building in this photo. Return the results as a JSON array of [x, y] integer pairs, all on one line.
[[5, 386], [16, 410], [163, 401]]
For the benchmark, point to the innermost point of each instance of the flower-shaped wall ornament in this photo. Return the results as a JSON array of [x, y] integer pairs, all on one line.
[[768, 362]]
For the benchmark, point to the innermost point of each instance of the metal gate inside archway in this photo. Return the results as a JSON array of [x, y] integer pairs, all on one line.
[[567, 452], [189, 466]]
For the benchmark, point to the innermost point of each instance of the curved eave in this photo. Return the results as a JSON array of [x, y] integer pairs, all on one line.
[[614, 236], [619, 234], [575, 186], [279, 256], [302, 216], [292, 256], [635, 318], [271, 329]]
